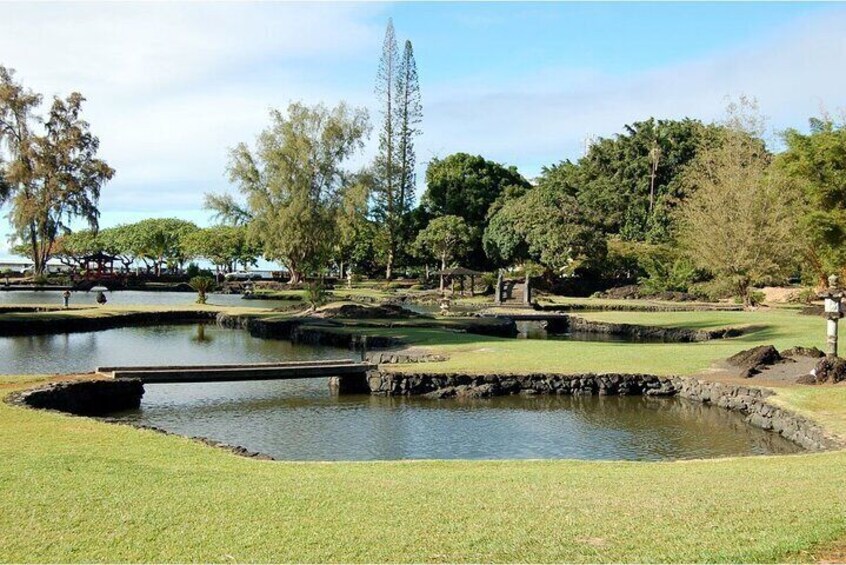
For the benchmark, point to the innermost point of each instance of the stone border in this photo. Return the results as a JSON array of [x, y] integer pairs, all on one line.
[[662, 333], [94, 398], [98, 397], [82, 397], [749, 401], [657, 307]]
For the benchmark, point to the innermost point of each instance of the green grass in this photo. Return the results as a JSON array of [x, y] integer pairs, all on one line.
[[826, 405], [478, 354], [74, 489]]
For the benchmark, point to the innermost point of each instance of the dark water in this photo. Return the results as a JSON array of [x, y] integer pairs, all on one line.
[[131, 298], [301, 420], [537, 330]]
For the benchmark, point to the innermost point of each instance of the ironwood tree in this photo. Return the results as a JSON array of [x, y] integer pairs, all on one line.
[[740, 222], [292, 181], [48, 165]]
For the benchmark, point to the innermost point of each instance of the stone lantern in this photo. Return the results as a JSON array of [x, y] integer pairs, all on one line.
[[832, 296]]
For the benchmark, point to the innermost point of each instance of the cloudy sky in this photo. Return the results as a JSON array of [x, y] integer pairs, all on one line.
[[171, 87]]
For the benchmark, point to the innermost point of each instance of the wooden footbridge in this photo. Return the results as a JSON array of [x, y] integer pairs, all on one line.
[[241, 372]]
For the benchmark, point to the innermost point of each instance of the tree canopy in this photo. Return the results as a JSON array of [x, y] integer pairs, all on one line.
[[739, 223], [291, 182], [466, 185], [630, 182], [545, 225], [816, 164], [51, 173]]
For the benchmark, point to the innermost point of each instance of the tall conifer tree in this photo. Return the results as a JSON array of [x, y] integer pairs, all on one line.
[[387, 177], [409, 110]]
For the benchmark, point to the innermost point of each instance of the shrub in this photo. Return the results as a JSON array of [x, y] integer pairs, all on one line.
[[802, 296], [316, 294], [202, 285]]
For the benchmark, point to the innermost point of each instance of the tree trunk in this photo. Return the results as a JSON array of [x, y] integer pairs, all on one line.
[[655, 154], [443, 268], [37, 265], [296, 277], [743, 289], [389, 268]]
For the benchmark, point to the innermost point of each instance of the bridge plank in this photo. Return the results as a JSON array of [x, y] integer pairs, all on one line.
[[188, 374]]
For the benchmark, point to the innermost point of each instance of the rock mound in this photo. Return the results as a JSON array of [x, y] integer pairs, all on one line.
[[829, 370], [753, 361], [799, 351], [361, 312], [633, 292]]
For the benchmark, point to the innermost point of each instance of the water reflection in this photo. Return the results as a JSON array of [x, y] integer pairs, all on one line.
[[132, 298], [299, 420], [531, 329], [180, 344]]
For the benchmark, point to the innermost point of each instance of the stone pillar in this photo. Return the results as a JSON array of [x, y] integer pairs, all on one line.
[[527, 291], [349, 384], [833, 312], [831, 337], [498, 289]]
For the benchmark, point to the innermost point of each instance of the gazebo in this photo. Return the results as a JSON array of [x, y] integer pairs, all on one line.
[[99, 265], [461, 274]]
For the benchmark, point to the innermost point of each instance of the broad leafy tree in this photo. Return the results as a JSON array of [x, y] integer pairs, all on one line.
[[445, 238], [50, 170], [545, 226], [226, 247], [162, 242], [72, 248], [468, 186], [630, 182], [816, 164]]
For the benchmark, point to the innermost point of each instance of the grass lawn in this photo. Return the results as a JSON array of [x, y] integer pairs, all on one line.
[[75, 489], [476, 354]]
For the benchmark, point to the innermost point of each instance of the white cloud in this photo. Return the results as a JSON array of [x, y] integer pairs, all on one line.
[[545, 115], [171, 86]]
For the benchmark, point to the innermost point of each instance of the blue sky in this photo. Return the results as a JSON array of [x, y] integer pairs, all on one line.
[[172, 86]]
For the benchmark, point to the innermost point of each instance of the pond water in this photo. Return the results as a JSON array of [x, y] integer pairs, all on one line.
[[301, 420], [131, 298], [148, 345]]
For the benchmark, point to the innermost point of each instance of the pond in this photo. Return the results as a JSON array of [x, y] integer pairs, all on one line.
[[148, 345], [301, 420], [132, 298], [537, 330]]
